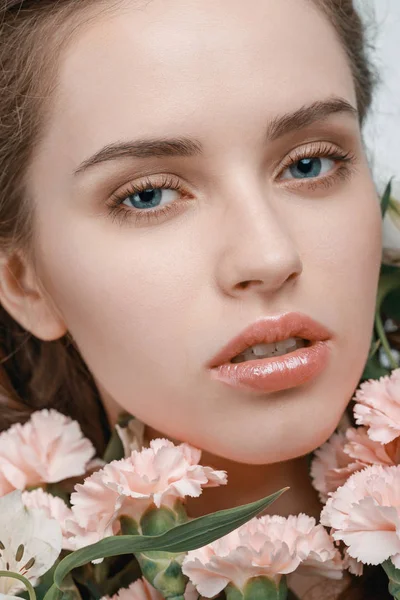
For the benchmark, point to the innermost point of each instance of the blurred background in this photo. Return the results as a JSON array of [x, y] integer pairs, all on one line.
[[382, 137], [383, 127]]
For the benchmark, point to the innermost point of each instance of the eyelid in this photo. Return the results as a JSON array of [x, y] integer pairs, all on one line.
[[122, 213], [321, 149], [159, 180]]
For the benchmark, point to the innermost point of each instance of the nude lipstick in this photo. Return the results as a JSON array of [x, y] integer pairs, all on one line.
[[277, 373]]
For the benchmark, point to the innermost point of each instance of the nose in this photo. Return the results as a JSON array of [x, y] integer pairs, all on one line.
[[258, 252]]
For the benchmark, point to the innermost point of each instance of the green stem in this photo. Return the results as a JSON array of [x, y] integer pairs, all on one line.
[[27, 584], [382, 336]]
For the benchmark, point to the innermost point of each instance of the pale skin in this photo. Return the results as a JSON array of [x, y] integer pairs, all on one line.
[[149, 303]]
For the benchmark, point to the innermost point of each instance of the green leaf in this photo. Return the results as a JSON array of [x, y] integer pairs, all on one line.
[[189, 536], [391, 303], [374, 370], [386, 198], [394, 578]]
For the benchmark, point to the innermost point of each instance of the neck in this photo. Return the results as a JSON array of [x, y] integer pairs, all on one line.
[[248, 483]]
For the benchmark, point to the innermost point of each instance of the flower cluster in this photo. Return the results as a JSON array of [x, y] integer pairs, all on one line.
[[357, 474], [141, 493]]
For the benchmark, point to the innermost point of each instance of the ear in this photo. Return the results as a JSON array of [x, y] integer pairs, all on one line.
[[23, 297]]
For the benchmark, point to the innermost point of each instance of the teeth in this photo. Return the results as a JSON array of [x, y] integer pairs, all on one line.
[[270, 350], [262, 349]]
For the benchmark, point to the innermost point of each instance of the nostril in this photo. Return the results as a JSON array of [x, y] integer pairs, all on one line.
[[245, 284]]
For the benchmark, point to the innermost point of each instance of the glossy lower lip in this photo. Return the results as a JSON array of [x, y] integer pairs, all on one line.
[[276, 374]]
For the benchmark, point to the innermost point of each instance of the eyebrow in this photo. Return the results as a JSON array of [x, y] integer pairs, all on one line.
[[186, 147]]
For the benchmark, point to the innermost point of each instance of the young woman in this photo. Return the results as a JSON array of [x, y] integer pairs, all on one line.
[[183, 181]]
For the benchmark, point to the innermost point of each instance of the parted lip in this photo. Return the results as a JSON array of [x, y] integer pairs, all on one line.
[[269, 330]]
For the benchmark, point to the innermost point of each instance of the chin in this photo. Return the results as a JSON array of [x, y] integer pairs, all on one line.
[[258, 450]]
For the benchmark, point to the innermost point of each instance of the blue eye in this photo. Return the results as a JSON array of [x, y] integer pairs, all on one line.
[[307, 168], [150, 198]]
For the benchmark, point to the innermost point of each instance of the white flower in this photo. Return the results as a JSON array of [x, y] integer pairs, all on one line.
[[30, 543]]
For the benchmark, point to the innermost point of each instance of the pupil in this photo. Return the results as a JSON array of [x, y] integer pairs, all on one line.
[[307, 167], [146, 199]]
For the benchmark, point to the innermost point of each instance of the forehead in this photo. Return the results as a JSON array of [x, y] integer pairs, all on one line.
[[179, 66]]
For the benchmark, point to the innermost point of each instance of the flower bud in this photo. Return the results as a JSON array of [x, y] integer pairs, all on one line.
[[163, 569], [156, 521], [259, 588]]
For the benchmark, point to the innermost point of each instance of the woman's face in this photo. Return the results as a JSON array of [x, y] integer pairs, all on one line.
[[268, 218]]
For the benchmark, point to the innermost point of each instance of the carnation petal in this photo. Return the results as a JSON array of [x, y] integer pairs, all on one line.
[[396, 560], [371, 547], [378, 407], [207, 583], [53, 508], [332, 466]]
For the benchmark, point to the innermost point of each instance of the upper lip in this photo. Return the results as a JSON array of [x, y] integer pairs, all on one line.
[[272, 329]]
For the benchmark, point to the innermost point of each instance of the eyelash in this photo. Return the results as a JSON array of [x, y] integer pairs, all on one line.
[[121, 213]]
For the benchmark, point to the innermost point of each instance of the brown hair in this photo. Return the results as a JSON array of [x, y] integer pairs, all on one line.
[[35, 374]]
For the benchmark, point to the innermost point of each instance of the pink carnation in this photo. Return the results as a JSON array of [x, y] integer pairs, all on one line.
[[378, 407], [270, 546], [347, 453], [360, 447], [53, 507], [48, 448], [352, 564], [331, 466], [143, 590], [365, 514], [158, 475]]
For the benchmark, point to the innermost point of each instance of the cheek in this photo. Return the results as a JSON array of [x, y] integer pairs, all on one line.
[[347, 264], [126, 300], [352, 260]]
